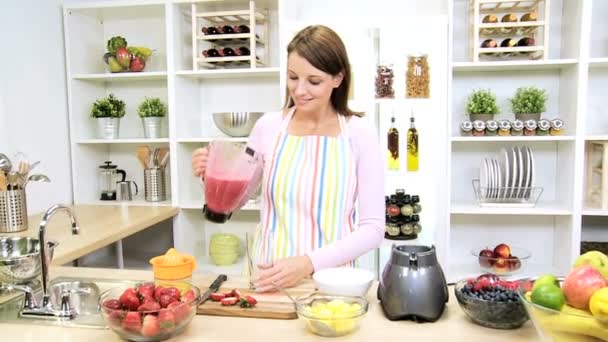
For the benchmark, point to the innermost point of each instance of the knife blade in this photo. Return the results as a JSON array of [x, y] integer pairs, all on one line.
[[214, 287]]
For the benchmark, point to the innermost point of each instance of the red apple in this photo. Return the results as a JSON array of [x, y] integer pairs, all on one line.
[[123, 56], [580, 284], [503, 250], [486, 258], [514, 263], [501, 265], [137, 64]]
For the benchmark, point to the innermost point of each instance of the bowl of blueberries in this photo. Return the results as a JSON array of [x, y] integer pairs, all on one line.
[[491, 302]]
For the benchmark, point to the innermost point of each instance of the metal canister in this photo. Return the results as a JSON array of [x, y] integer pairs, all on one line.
[[530, 127], [517, 127], [557, 127], [504, 128], [479, 128], [466, 128], [491, 127], [543, 127]]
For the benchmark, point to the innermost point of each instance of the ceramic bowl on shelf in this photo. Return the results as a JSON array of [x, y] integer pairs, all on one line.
[[490, 262], [236, 124], [331, 316]]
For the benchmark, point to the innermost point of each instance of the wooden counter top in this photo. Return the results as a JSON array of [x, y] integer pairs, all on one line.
[[100, 225], [453, 325]]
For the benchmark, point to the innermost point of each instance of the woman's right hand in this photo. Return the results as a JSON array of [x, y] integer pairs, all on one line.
[[199, 161]]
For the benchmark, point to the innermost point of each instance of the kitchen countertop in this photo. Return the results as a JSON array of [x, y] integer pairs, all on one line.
[[100, 225], [453, 325]]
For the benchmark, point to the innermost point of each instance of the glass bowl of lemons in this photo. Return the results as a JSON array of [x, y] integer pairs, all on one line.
[[330, 315]]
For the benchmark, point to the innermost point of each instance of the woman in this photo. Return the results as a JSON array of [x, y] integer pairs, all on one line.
[[322, 169]]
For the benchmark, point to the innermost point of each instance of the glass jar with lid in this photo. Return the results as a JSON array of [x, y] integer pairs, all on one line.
[[517, 128], [418, 77], [504, 128], [384, 81]]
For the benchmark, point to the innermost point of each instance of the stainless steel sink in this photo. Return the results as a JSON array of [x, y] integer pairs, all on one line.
[[84, 294]]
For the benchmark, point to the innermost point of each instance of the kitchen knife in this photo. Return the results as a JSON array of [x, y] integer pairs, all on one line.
[[214, 287]]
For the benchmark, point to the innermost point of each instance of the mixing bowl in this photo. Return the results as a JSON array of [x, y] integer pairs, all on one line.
[[345, 281], [331, 316], [20, 259], [236, 124]]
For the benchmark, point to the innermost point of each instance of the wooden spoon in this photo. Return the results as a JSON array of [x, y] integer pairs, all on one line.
[[2, 181], [143, 155]]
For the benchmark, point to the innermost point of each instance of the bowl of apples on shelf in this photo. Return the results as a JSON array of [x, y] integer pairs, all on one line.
[[502, 260]]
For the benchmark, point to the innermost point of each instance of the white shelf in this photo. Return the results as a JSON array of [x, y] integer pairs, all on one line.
[[208, 140], [542, 208], [514, 138], [554, 64], [208, 266], [460, 271], [596, 137], [598, 62], [594, 212], [166, 203], [124, 141], [232, 73], [122, 76]]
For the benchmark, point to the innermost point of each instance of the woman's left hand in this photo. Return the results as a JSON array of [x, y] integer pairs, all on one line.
[[285, 273]]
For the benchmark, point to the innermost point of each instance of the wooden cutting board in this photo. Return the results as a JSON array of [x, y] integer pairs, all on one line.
[[270, 305]]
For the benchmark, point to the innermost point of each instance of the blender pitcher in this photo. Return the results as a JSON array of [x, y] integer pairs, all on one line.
[[231, 178]]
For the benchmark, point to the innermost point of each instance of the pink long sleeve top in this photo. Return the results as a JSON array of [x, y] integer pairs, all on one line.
[[370, 189]]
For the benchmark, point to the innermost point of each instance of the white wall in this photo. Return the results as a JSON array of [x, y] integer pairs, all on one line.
[[33, 98]]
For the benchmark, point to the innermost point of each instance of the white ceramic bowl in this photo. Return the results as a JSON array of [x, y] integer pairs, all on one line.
[[344, 281]]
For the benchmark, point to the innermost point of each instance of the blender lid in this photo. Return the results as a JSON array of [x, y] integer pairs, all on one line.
[[108, 165]]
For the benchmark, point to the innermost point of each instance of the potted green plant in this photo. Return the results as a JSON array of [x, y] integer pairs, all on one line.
[[151, 112], [108, 111], [481, 105], [529, 103]]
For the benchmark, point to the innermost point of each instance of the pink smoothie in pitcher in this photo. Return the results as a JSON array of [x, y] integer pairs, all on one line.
[[224, 195]]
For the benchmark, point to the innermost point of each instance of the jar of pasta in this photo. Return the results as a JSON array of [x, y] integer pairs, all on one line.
[[417, 77], [384, 81]]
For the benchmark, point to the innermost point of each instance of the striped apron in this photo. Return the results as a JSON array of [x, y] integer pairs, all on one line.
[[308, 194]]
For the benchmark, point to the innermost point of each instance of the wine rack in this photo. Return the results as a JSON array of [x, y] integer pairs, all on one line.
[[220, 49], [509, 29]]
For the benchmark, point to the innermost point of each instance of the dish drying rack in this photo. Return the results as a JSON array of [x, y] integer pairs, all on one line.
[[504, 196]]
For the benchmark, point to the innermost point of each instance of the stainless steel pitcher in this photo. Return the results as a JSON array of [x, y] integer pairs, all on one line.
[[123, 190]]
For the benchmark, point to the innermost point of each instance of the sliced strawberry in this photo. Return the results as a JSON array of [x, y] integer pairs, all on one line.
[[216, 296], [229, 301], [236, 293], [188, 297], [166, 318], [132, 322], [116, 316], [113, 304], [180, 310], [228, 294], [148, 306], [251, 300], [165, 300], [172, 291], [151, 326]]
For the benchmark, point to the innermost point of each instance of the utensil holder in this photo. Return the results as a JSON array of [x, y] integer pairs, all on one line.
[[13, 211], [155, 186]]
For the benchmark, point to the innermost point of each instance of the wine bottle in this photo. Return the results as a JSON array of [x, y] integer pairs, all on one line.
[[412, 146], [393, 146]]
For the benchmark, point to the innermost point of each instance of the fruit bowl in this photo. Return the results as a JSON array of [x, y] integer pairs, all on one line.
[[510, 260], [331, 316], [144, 321], [486, 311]]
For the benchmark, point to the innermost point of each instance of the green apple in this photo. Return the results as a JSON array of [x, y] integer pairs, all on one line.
[[114, 65], [547, 279], [595, 259]]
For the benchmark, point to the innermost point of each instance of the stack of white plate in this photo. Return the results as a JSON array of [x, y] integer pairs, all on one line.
[[509, 177]]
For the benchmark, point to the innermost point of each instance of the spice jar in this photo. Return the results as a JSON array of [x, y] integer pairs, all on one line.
[[479, 128], [384, 81], [406, 206], [530, 127], [416, 204], [517, 128], [393, 210], [466, 128], [491, 127], [392, 227], [504, 128], [543, 127], [557, 127], [417, 77], [416, 224], [407, 228]]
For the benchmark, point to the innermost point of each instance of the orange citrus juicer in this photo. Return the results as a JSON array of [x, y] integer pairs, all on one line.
[[173, 265]]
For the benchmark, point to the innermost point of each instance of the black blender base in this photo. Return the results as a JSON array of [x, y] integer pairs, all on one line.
[[215, 217]]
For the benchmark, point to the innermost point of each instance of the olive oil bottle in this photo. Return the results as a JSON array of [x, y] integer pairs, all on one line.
[[412, 146], [393, 146]]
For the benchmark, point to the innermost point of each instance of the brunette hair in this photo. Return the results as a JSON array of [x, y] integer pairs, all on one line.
[[323, 48]]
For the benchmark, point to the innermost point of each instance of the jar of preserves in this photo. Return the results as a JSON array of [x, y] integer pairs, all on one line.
[[418, 76]]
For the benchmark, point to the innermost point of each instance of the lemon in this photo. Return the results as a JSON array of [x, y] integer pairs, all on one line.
[[336, 305]]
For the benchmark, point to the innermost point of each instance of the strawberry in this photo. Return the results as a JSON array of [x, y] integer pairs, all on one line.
[[228, 294], [149, 306], [130, 291], [165, 300], [151, 326], [130, 301], [116, 316], [147, 299], [236, 293], [157, 293], [244, 303], [172, 291], [132, 322], [188, 297], [113, 304], [216, 296], [146, 290], [180, 310], [166, 318], [251, 300], [229, 301]]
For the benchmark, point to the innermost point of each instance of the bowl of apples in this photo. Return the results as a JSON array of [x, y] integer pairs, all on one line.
[[502, 260], [148, 312]]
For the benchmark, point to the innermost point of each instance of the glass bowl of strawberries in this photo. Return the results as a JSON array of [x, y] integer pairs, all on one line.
[[501, 259], [149, 312]]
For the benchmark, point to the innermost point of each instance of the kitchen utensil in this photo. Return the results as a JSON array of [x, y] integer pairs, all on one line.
[[107, 180], [283, 291], [232, 175], [20, 259], [155, 185], [36, 178], [413, 285], [13, 211], [123, 190], [163, 157], [143, 155], [214, 287], [173, 266], [236, 124], [3, 181], [5, 163]]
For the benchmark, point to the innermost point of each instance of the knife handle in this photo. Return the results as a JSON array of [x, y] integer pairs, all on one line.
[[218, 281]]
